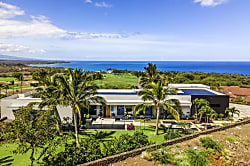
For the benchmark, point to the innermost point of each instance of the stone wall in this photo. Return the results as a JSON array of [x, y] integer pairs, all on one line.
[[122, 156]]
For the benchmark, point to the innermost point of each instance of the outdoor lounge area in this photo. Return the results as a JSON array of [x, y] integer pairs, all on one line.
[[104, 123]]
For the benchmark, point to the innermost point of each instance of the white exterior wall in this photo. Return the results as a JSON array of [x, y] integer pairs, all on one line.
[[65, 112], [8, 105], [186, 111]]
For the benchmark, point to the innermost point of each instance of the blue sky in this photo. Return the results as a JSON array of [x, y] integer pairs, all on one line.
[[184, 30]]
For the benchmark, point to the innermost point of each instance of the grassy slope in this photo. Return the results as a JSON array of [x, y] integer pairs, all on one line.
[[115, 81], [23, 160]]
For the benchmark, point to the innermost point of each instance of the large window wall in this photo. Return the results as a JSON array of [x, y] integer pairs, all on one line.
[[120, 109]]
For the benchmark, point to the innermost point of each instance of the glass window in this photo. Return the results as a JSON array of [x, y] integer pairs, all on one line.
[[92, 110], [129, 110], [112, 109], [120, 110], [148, 111]]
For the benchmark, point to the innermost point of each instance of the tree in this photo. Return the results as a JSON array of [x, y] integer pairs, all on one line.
[[12, 83], [151, 74], [50, 95], [40, 76], [232, 111], [1, 87], [155, 93], [79, 92], [6, 87], [198, 103], [19, 77], [32, 130], [207, 112]]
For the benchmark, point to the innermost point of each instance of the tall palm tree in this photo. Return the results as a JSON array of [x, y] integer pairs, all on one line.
[[155, 94], [198, 103], [50, 96], [151, 74], [232, 111], [79, 92]]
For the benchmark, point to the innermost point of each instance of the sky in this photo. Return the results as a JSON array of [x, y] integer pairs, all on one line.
[[126, 30]]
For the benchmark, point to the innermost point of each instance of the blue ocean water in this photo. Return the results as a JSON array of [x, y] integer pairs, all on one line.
[[185, 66]]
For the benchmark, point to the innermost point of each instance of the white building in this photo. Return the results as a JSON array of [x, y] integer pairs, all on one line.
[[119, 101]]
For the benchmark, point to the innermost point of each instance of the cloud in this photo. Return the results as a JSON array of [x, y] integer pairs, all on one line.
[[41, 26], [37, 26], [103, 5], [99, 4], [82, 35], [13, 48], [210, 2], [9, 11], [88, 1]]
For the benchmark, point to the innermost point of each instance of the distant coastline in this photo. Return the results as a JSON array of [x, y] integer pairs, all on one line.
[[181, 66]]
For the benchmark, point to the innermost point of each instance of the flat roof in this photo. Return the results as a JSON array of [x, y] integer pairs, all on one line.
[[196, 92], [188, 86]]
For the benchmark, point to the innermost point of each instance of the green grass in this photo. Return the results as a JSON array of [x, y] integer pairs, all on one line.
[[7, 79], [106, 135], [231, 139], [117, 81], [142, 121], [19, 159]]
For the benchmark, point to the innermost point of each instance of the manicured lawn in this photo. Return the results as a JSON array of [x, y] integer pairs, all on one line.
[[7, 79], [19, 159], [142, 121], [104, 135], [115, 81]]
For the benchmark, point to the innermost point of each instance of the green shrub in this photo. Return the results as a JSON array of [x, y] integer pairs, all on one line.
[[245, 143], [125, 143], [181, 160], [197, 158], [92, 149], [230, 139], [163, 156], [173, 133], [89, 150], [210, 143]]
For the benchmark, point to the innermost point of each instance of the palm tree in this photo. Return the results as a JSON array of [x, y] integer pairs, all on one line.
[[207, 112], [79, 92], [232, 111], [50, 96], [155, 94], [151, 74], [198, 103]]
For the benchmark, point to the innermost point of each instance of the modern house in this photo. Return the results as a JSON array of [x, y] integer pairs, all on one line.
[[121, 102]]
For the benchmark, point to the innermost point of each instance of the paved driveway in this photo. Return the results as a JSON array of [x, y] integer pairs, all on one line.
[[244, 110]]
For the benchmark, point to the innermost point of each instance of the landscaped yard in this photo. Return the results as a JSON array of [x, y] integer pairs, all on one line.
[[7, 79], [146, 121], [117, 81], [104, 135]]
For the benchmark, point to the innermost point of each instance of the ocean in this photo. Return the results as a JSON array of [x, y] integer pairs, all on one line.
[[184, 66]]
